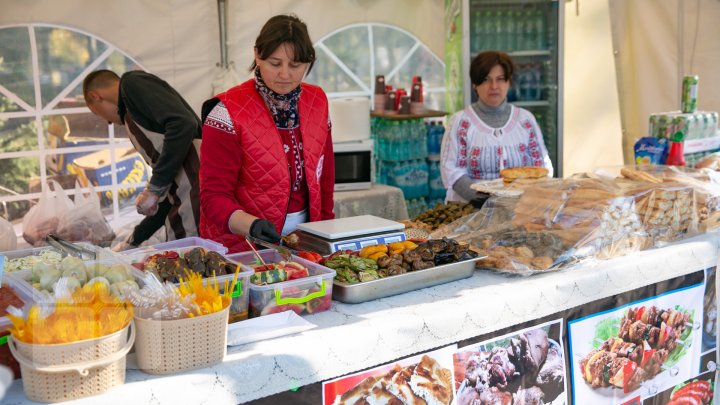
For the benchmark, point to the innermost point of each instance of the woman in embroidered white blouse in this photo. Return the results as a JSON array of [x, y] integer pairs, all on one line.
[[490, 134]]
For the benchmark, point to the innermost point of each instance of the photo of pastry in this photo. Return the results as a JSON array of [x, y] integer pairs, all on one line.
[[636, 350], [423, 379], [524, 368], [695, 391]]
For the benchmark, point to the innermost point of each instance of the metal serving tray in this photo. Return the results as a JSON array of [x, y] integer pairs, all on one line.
[[393, 285]]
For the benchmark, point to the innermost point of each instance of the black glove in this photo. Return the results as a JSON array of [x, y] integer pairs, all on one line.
[[479, 199], [265, 230]]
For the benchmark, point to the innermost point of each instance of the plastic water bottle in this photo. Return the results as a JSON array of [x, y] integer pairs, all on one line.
[[521, 84], [402, 141], [500, 39], [533, 74], [488, 40], [511, 31], [423, 176], [528, 30], [539, 22], [476, 35]]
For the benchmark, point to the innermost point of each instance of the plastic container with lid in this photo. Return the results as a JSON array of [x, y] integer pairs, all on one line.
[[192, 241], [240, 300], [26, 296], [12, 255], [306, 295]]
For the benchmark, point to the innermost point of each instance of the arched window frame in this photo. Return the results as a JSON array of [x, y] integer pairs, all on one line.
[[38, 111], [368, 88]]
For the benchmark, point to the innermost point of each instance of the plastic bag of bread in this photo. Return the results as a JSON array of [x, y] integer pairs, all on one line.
[[705, 183], [43, 218], [711, 161], [666, 198]]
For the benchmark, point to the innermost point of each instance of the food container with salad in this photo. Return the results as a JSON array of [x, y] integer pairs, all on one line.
[[277, 285]]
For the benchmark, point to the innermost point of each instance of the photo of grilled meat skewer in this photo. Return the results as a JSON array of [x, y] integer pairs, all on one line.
[[659, 328], [650, 360]]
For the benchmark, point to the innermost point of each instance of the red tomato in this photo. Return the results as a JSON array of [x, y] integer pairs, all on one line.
[[311, 256]]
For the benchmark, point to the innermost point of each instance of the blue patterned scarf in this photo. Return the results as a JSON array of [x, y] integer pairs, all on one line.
[[282, 106]]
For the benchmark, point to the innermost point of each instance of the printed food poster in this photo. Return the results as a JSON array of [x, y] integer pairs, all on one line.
[[636, 350], [424, 378], [695, 391], [710, 327], [525, 367]]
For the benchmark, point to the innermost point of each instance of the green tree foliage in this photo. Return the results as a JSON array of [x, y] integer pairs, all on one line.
[[16, 135]]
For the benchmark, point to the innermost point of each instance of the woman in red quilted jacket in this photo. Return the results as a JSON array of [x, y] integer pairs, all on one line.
[[266, 159]]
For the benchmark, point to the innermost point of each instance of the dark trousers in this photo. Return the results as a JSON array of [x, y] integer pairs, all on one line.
[[150, 224]]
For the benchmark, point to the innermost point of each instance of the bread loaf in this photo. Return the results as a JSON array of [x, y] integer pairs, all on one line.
[[523, 172], [639, 175]]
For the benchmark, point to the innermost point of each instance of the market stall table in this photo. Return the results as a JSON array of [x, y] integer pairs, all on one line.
[[383, 201], [353, 337]]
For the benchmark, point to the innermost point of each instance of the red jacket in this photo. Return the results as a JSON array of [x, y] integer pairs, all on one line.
[[250, 171]]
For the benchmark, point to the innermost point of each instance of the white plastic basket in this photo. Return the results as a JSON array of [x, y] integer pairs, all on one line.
[[165, 347], [63, 372]]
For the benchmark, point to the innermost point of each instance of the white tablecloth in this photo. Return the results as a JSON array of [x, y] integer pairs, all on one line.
[[353, 337], [381, 200]]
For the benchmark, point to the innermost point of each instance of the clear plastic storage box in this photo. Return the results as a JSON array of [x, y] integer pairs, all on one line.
[[26, 296], [240, 300], [304, 296], [192, 241]]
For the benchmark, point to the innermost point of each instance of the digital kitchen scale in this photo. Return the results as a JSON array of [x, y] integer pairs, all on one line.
[[352, 233]]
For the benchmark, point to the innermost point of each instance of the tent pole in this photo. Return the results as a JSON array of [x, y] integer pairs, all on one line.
[[222, 9]]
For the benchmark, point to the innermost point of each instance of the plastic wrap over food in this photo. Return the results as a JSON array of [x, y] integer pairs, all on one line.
[[159, 301], [555, 224], [704, 182]]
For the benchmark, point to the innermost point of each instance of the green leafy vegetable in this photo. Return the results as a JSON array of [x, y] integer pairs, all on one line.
[[604, 330]]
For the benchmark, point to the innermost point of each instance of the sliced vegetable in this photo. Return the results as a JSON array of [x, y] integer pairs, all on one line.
[[647, 354], [269, 277], [628, 371], [311, 256], [639, 313]]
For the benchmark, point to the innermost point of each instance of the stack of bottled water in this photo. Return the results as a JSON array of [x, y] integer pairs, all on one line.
[[527, 83], [401, 151], [512, 30], [398, 140], [408, 157], [435, 132]]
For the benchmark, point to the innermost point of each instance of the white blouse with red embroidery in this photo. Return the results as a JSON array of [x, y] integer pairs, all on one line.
[[473, 148]]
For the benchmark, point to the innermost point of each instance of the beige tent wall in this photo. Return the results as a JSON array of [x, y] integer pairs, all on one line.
[[658, 42], [422, 18], [591, 113], [175, 39]]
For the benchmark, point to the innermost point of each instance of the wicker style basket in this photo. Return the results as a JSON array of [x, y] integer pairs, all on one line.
[[164, 347], [62, 372]]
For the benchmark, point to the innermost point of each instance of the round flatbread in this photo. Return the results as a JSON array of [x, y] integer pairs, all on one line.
[[524, 172]]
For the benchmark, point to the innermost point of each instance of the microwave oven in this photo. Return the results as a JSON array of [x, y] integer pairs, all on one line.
[[354, 168]]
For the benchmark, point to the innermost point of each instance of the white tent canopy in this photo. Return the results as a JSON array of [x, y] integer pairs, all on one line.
[[179, 40]]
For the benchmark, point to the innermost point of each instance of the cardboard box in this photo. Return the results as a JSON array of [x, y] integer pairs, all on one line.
[[95, 168]]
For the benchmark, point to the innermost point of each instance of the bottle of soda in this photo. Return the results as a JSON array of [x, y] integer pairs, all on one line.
[[676, 157]]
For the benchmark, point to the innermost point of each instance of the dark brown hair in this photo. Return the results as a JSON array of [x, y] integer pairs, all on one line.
[[97, 80], [285, 29], [484, 62]]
